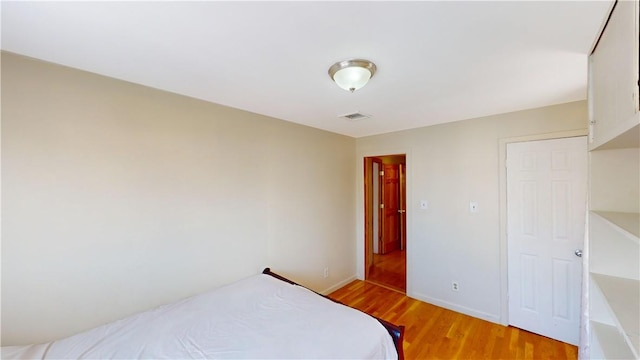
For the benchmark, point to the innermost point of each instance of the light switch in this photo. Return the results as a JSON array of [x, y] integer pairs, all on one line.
[[424, 205], [473, 207]]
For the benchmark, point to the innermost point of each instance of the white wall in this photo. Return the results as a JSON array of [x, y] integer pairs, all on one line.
[[118, 198], [450, 165]]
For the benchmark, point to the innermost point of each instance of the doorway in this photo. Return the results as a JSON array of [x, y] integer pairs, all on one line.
[[385, 221], [546, 205]]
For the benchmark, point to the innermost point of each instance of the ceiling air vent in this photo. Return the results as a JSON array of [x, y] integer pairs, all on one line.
[[355, 116]]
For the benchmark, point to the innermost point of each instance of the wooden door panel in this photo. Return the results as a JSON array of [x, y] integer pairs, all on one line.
[[368, 220], [403, 207], [391, 202]]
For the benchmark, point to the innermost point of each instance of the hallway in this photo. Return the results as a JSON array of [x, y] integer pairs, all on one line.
[[390, 270]]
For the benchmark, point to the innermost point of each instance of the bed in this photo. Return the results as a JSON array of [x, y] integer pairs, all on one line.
[[265, 316]]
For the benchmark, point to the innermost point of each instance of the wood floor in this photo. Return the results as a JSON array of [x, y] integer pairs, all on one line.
[[390, 270], [432, 332]]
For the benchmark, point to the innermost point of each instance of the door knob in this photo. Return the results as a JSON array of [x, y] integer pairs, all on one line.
[[578, 252]]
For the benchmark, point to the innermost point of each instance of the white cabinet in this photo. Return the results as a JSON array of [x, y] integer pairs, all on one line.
[[614, 188], [613, 81]]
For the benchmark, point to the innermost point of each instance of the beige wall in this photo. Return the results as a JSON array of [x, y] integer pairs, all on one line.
[[450, 165], [117, 198]]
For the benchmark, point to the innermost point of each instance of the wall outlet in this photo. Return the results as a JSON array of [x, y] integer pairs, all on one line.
[[326, 272], [454, 286]]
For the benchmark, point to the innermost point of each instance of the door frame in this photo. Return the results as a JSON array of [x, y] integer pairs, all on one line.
[[504, 269], [371, 178], [360, 205]]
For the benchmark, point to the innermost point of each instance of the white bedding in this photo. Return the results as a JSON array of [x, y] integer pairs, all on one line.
[[256, 318]]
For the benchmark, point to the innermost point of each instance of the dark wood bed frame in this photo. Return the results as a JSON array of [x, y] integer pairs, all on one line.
[[396, 332]]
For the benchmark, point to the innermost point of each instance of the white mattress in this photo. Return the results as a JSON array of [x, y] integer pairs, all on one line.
[[256, 318]]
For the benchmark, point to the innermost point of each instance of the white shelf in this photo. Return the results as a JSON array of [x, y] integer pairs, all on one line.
[[613, 265], [614, 180], [625, 139], [610, 342], [623, 297], [627, 223]]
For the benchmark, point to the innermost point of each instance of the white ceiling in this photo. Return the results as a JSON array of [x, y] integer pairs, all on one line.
[[437, 61]]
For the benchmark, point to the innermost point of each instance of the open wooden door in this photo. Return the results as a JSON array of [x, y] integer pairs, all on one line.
[[373, 188], [368, 216], [391, 205], [403, 206]]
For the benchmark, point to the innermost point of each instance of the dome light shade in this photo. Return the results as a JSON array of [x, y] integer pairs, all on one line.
[[352, 74]]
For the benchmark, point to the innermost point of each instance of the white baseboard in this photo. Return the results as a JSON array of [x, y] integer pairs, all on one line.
[[338, 285], [458, 308]]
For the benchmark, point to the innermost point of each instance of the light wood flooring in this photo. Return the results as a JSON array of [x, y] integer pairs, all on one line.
[[432, 332], [390, 270]]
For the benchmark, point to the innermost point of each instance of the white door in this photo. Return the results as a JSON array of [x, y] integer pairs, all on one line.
[[546, 204]]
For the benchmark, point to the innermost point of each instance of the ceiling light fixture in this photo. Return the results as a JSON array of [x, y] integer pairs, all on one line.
[[352, 74]]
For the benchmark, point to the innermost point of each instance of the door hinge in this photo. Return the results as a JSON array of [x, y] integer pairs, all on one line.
[[381, 206], [381, 172]]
